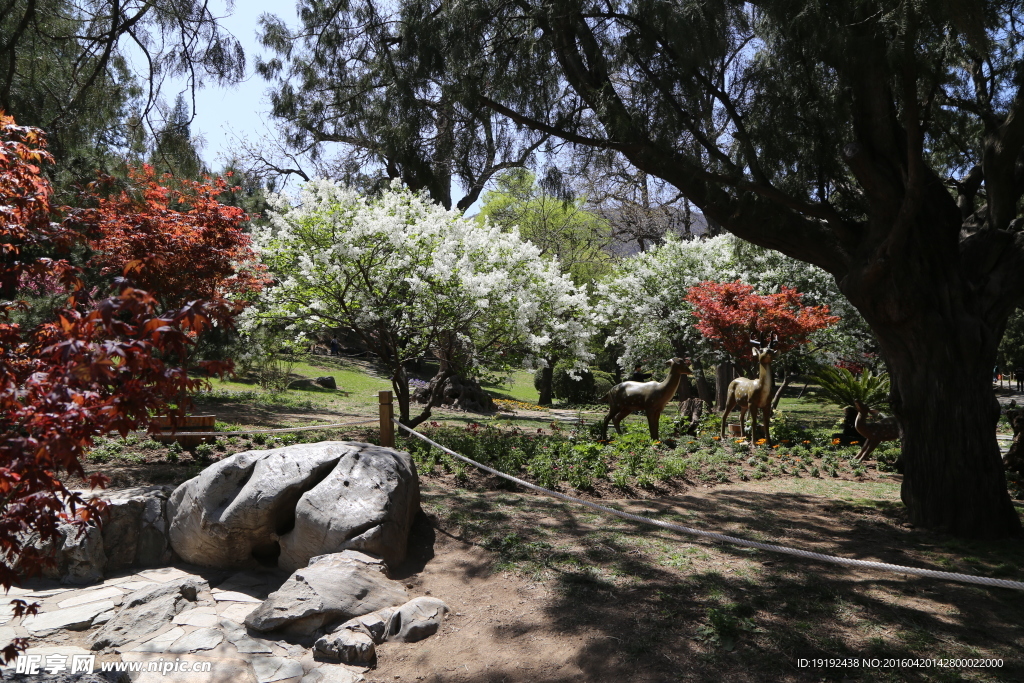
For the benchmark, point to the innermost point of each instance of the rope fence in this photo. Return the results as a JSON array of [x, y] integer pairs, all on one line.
[[806, 554]]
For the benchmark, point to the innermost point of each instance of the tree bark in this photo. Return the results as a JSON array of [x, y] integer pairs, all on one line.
[[724, 374], [703, 388], [546, 374]]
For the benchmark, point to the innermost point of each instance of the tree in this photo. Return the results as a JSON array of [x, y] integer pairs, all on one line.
[[64, 67], [879, 141], [563, 230], [99, 366], [644, 303], [412, 279], [174, 151], [181, 244], [729, 314], [351, 76]]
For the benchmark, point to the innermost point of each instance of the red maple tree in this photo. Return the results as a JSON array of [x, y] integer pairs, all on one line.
[[178, 244], [97, 367], [730, 313]]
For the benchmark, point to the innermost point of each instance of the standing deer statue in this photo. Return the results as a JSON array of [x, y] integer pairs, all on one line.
[[650, 397], [874, 433], [753, 394]]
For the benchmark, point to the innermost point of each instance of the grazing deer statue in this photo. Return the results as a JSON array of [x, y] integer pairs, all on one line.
[[753, 394], [650, 397], [874, 433]]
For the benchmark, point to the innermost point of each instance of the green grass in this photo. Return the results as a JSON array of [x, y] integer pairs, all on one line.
[[519, 387]]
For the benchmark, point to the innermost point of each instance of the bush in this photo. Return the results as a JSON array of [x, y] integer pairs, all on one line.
[[591, 386], [842, 387]]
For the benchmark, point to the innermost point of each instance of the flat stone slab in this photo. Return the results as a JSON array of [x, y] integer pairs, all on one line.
[[161, 642], [333, 673], [236, 611], [200, 616], [165, 574], [221, 669], [271, 669], [76, 618], [233, 596], [200, 639], [91, 595]]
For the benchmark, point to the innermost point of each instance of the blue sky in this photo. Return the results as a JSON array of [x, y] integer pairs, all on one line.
[[223, 114]]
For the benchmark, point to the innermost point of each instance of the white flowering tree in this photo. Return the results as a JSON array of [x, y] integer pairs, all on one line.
[[412, 279], [644, 306]]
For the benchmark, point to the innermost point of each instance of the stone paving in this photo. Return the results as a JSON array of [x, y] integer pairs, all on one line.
[[211, 631]]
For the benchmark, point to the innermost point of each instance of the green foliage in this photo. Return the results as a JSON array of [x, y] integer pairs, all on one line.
[[1011, 348], [842, 387], [590, 387], [562, 229], [725, 624]]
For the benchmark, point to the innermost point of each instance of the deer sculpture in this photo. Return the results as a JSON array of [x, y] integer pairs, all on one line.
[[753, 394], [650, 397], [874, 433]]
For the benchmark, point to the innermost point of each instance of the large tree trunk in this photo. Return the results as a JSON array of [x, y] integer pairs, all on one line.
[[953, 474]]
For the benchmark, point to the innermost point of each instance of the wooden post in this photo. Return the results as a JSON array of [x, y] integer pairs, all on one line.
[[387, 427]]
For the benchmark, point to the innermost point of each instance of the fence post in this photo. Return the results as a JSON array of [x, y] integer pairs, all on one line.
[[387, 413]]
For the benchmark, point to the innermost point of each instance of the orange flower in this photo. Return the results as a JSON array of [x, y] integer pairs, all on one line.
[[717, 438], [854, 443], [835, 442], [775, 446], [806, 441], [761, 440]]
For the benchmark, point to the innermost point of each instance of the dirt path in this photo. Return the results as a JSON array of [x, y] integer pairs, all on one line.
[[546, 591]]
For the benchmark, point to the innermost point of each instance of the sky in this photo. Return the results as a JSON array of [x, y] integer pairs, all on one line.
[[224, 114]]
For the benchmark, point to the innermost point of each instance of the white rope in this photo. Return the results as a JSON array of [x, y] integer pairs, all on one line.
[[846, 562], [262, 431]]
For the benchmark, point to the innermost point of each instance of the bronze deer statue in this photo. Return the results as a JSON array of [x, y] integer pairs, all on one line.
[[753, 394], [650, 397], [874, 433]]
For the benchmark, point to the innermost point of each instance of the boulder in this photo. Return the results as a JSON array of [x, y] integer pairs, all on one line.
[[333, 589], [416, 620], [147, 610], [133, 533], [368, 503], [135, 528], [304, 383], [327, 382], [355, 641], [287, 505]]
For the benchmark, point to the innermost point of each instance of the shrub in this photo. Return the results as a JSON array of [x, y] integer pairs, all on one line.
[[842, 387]]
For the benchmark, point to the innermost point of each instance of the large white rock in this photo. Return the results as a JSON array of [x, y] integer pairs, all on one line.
[[287, 505]]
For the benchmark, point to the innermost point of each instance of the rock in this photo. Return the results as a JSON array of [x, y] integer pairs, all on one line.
[[77, 618], [147, 610], [346, 645], [332, 673], [200, 639], [238, 637], [304, 383], [270, 669], [458, 392], [334, 589], [286, 505], [327, 382], [367, 503], [135, 528], [133, 532], [416, 620], [82, 556]]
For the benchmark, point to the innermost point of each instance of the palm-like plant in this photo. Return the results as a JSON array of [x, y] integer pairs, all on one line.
[[842, 387]]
